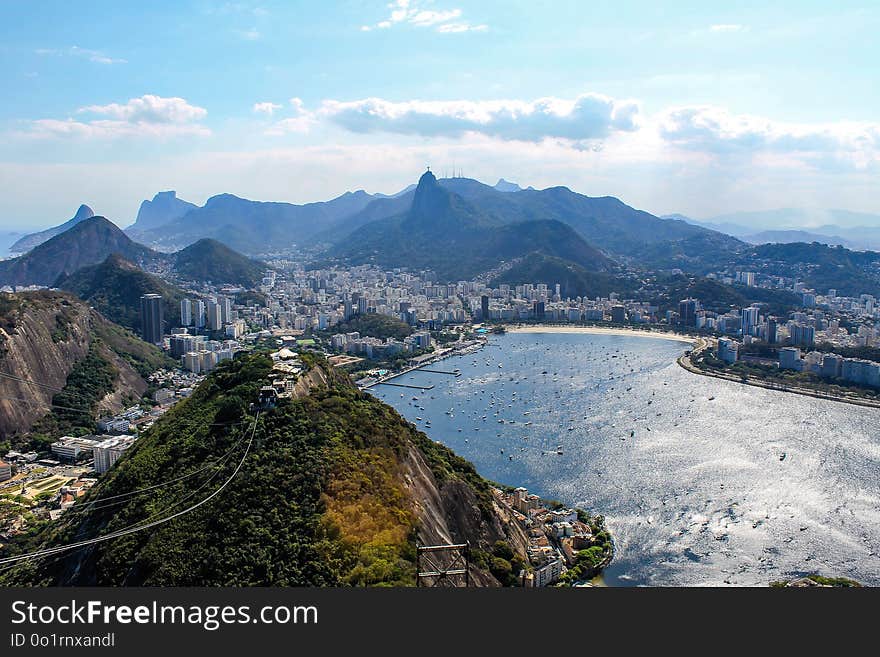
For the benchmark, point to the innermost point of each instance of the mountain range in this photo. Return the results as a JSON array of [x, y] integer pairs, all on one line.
[[854, 230], [252, 227], [444, 232], [93, 240], [28, 242], [88, 242]]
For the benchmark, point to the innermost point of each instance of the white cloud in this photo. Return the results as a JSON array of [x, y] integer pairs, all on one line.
[[444, 21], [252, 34], [587, 117], [728, 27], [85, 53], [426, 18], [717, 132], [301, 122], [453, 28], [266, 108], [150, 109], [148, 115]]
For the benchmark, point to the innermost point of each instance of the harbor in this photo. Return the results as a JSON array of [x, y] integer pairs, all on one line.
[[702, 480]]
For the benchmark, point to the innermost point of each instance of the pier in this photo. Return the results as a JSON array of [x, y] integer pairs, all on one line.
[[452, 372], [400, 385]]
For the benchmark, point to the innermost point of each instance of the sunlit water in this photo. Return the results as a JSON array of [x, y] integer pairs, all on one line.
[[702, 481]]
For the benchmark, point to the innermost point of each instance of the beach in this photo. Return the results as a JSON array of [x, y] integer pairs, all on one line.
[[600, 330]]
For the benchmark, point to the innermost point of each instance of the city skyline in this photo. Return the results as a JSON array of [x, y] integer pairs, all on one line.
[[700, 111]]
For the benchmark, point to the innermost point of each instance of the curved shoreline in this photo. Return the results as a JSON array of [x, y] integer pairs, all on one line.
[[685, 361], [601, 330]]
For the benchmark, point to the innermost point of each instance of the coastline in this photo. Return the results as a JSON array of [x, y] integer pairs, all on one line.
[[685, 361], [601, 330]]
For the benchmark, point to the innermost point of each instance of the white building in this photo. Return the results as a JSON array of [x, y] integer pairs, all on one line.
[[548, 573], [70, 448], [108, 451], [198, 309], [186, 309], [728, 350]]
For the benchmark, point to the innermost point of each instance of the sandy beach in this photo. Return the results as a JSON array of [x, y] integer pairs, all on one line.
[[601, 330]]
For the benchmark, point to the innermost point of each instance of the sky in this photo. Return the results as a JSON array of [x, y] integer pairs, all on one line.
[[699, 108]]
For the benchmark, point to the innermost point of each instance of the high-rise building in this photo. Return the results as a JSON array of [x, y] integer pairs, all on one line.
[[802, 334], [618, 314], [199, 313], [538, 309], [746, 278], [749, 319], [771, 331], [215, 316], [152, 318], [484, 307], [687, 312], [186, 308], [226, 303]]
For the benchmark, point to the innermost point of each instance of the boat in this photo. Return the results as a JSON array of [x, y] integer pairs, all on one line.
[[782, 456]]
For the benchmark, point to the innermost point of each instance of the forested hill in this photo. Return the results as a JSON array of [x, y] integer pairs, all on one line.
[[114, 288], [334, 488]]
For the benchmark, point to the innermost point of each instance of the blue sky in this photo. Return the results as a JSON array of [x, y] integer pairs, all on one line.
[[700, 108]]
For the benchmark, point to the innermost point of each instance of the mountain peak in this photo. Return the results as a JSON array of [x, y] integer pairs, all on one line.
[[427, 179], [506, 186], [83, 212], [163, 209], [430, 200]]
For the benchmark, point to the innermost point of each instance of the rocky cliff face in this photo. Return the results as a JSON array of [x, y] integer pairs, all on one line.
[[42, 336], [164, 208]]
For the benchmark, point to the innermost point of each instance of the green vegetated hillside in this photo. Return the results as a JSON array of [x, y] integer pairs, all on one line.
[[336, 489], [89, 242], [822, 267], [114, 288], [719, 297], [574, 280], [375, 325], [209, 260]]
